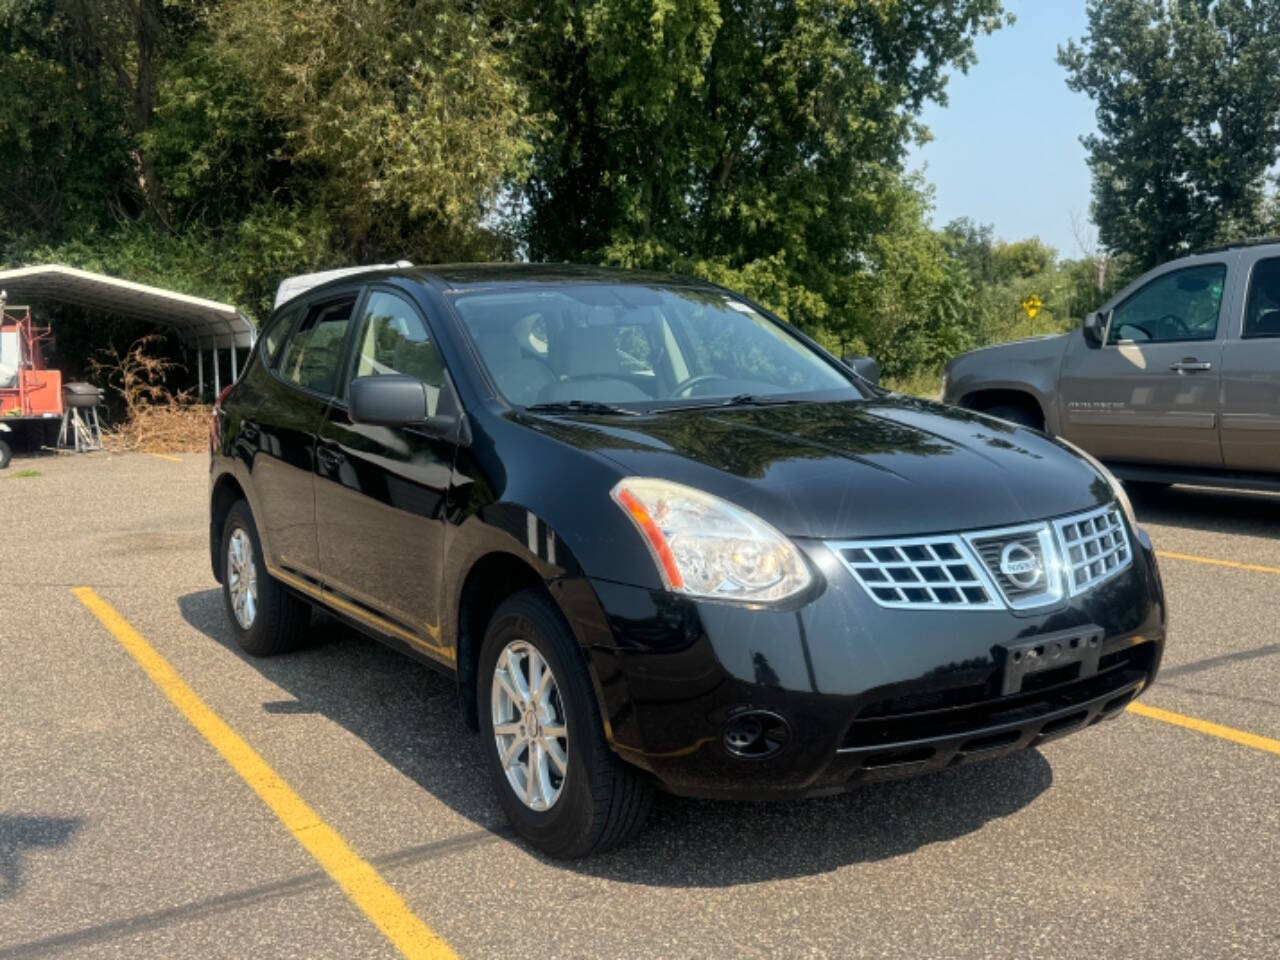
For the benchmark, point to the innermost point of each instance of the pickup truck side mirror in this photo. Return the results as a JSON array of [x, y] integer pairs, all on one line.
[[865, 367], [397, 400], [1094, 328]]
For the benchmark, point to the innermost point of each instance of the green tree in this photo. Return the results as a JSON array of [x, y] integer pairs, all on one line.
[[64, 163], [1188, 119], [399, 119], [758, 143]]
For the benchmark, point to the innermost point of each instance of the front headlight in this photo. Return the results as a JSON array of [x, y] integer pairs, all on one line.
[[1117, 488], [707, 547]]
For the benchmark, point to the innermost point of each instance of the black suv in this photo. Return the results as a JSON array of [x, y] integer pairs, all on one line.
[[661, 538]]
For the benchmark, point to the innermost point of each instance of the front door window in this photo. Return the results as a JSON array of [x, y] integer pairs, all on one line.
[[394, 339], [1182, 305]]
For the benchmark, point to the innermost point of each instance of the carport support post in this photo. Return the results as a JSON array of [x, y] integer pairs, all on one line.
[[200, 369], [233, 361], [217, 378]]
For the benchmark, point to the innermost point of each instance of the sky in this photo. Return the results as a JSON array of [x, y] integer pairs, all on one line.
[[1006, 149]]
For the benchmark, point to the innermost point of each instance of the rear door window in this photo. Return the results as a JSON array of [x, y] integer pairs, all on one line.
[[314, 352], [1262, 313]]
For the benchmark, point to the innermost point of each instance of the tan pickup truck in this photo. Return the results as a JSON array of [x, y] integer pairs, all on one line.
[[1175, 380]]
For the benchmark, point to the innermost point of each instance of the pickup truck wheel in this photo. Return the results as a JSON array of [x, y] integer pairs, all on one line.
[[1015, 413], [267, 619], [561, 786], [6, 454]]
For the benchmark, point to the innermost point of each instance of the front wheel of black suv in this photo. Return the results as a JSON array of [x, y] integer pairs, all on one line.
[[267, 619], [561, 786]]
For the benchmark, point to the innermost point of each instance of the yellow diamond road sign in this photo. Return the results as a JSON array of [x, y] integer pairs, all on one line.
[[1032, 305]]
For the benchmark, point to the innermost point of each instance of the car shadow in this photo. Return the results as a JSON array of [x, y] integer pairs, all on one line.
[[409, 715], [21, 834], [1208, 509]]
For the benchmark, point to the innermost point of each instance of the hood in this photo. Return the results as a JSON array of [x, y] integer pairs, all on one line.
[[1043, 346], [885, 467]]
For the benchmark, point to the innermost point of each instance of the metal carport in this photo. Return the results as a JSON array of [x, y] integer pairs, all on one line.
[[198, 323]]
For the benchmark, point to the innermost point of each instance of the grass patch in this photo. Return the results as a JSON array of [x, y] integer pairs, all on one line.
[[925, 383], [24, 474]]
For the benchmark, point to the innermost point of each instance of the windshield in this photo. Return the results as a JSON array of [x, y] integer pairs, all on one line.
[[640, 347]]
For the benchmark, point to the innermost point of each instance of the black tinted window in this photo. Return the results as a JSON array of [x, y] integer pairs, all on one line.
[[1262, 314], [1182, 305], [312, 355]]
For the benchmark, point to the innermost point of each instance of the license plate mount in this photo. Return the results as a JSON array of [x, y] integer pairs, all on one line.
[[1050, 651]]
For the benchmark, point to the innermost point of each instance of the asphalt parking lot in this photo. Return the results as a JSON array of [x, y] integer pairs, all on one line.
[[125, 832]]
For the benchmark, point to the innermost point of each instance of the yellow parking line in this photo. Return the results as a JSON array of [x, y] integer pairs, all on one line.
[[164, 456], [1192, 558], [358, 880], [1204, 726]]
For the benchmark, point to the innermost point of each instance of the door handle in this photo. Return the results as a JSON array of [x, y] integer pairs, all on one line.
[[1190, 363], [328, 457]]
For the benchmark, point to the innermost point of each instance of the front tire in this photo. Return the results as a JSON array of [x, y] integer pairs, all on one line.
[[266, 618], [6, 454], [561, 786]]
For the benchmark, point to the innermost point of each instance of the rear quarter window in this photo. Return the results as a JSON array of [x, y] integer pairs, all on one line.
[[277, 329]]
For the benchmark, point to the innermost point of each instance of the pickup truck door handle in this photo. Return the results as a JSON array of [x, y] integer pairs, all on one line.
[[1190, 363]]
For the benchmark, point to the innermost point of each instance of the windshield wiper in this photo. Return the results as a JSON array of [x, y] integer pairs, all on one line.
[[740, 400], [581, 406]]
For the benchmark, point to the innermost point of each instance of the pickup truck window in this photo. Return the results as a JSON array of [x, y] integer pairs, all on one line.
[[1182, 305], [1262, 315]]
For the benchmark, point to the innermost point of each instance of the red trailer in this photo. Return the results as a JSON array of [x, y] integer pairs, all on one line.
[[30, 394]]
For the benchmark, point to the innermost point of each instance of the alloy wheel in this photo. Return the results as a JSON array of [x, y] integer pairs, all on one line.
[[529, 725], [242, 578]]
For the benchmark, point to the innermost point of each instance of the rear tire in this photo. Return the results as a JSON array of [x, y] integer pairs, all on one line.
[[1014, 413], [6, 454], [599, 801], [266, 618]]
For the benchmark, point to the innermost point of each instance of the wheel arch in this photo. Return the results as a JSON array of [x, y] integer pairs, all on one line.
[[227, 492], [987, 397], [490, 579]]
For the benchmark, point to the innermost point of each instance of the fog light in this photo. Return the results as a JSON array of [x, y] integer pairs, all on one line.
[[753, 734]]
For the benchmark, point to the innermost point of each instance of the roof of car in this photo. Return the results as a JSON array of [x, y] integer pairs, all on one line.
[[453, 275], [1237, 245], [456, 276]]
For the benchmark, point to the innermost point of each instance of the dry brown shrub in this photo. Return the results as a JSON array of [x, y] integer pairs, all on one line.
[[171, 427], [157, 420]]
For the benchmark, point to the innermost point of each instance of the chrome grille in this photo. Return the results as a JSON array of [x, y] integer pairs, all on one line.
[[969, 571], [926, 572], [1035, 588], [1095, 547]]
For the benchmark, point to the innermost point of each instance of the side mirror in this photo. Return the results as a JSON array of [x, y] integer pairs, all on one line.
[[390, 400], [1094, 328], [397, 400], [865, 367]]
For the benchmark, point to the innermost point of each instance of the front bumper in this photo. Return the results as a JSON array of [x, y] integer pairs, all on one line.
[[865, 693]]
